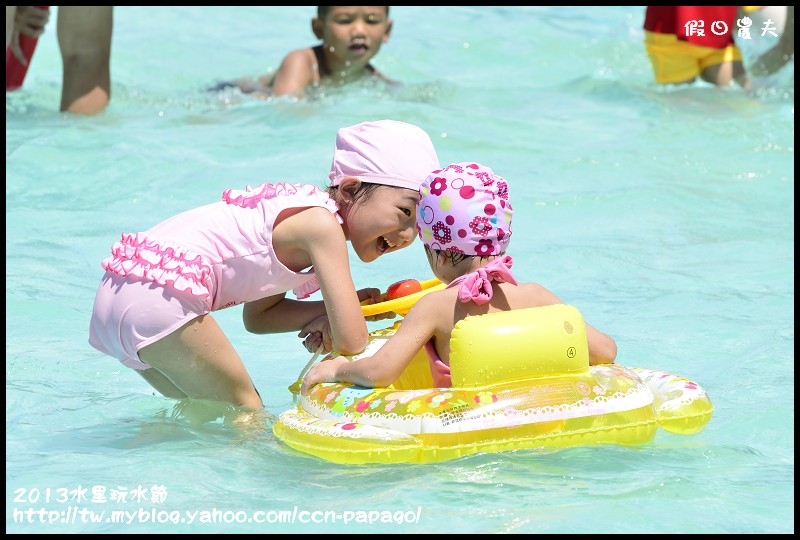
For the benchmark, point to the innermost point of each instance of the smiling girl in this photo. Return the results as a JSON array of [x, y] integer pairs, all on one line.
[[153, 308]]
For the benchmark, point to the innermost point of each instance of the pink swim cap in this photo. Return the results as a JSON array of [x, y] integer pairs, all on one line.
[[464, 208], [385, 152]]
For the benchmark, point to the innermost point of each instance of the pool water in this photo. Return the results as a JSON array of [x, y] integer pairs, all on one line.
[[666, 215]]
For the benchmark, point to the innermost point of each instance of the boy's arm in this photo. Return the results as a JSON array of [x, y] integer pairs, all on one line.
[[246, 85], [294, 74]]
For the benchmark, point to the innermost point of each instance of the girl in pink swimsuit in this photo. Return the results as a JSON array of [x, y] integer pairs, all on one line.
[[464, 221], [153, 307]]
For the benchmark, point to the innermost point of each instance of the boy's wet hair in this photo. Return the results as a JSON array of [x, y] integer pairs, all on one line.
[[322, 11]]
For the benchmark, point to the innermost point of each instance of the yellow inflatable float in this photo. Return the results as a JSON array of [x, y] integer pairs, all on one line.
[[535, 391]]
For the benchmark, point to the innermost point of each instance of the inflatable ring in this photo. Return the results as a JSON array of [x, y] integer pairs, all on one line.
[[402, 305], [506, 395]]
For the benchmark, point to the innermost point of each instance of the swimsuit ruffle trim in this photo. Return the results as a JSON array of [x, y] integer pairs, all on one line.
[[184, 270], [250, 197], [306, 289]]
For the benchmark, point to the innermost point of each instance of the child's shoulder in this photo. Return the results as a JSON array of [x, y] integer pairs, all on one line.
[[436, 303], [306, 57], [298, 69], [530, 286], [535, 295]]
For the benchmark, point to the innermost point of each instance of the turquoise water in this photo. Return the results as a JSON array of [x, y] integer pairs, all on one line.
[[665, 215]]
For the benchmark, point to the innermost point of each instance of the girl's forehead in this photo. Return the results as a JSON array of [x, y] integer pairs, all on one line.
[[402, 194]]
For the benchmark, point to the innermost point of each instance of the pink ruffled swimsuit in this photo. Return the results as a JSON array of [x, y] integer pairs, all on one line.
[[202, 260], [476, 287]]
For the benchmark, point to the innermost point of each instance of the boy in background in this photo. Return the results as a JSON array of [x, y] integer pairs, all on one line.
[[351, 37]]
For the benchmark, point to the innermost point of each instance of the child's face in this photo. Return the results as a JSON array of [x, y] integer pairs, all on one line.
[[353, 34], [383, 222]]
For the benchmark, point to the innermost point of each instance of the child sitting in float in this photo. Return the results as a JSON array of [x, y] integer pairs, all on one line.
[[464, 221]]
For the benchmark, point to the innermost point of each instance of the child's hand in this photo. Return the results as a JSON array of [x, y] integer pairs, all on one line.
[[28, 21], [316, 333], [325, 371], [374, 296], [369, 293]]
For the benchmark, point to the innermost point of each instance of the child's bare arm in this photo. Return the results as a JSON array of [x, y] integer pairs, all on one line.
[[275, 314], [317, 333], [313, 237], [295, 73], [386, 365], [602, 347]]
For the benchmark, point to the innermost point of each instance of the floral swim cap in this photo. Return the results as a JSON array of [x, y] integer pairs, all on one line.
[[464, 208]]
